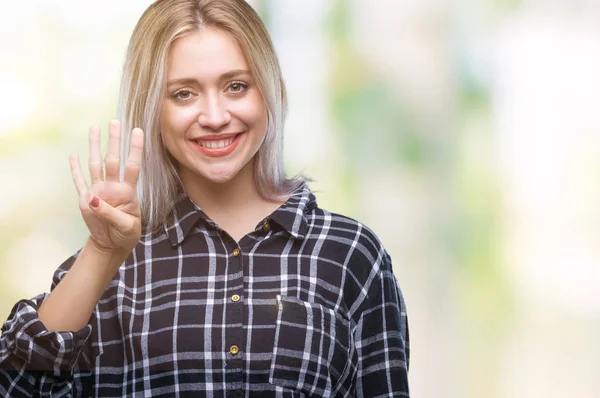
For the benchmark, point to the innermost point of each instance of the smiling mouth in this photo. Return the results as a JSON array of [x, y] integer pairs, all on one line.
[[218, 147], [217, 144]]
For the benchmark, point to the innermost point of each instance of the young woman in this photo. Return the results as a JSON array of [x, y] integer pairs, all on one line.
[[207, 272]]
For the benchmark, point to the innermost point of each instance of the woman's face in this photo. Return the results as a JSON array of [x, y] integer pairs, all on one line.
[[213, 119]]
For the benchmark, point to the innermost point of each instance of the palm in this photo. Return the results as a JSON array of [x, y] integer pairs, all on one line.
[[118, 195], [116, 223]]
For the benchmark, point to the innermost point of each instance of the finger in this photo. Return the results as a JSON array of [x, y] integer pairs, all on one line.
[[78, 178], [111, 162], [95, 163], [134, 161], [115, 217]]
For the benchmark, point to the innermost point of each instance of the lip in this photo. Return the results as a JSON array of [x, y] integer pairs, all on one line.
[[216, 137], [216, 152]]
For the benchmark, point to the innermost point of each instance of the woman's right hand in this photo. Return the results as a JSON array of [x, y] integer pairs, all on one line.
[[109, 206]]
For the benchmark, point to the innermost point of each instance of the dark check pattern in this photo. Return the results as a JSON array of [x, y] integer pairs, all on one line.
[[319, 313]]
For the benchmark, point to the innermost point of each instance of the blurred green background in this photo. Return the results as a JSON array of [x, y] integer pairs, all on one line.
[[465, 133]]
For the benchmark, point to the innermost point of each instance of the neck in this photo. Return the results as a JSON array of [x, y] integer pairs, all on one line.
[[235, 195], [236, 206]]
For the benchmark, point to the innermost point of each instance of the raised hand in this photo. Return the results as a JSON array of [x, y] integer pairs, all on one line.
[[109, 206]]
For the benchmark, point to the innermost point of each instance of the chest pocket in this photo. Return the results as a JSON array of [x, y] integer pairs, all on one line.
[[312, 348]]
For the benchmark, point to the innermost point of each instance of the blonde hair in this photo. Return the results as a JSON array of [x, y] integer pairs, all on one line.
[[143, 89]]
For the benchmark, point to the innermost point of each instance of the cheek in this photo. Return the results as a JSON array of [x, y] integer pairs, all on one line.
[[176, 120], [253, 114]]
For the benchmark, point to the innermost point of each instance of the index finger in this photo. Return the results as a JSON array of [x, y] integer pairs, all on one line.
[[134, 161]]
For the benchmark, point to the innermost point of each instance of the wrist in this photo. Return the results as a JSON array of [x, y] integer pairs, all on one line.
[[106, 261], [107, 252]]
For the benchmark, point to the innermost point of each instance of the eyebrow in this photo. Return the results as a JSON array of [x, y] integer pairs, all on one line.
[[225, 76]]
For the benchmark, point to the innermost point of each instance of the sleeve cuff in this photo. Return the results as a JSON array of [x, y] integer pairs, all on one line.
[[26, 337]]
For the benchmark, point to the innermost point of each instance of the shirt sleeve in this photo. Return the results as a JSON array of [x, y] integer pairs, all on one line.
[[382, 339], [34, 360]]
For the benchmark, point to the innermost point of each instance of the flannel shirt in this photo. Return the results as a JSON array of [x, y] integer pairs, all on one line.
[[304, 305]]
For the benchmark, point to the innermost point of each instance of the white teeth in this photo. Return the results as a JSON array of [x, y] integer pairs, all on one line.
[[216, 144]]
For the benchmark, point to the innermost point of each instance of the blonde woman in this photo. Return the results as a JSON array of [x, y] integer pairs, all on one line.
[[207, 272]]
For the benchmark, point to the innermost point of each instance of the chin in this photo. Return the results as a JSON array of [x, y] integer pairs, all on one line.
[[221, 177]]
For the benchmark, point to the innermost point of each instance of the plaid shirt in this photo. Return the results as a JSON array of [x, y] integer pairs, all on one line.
[[304, 305]]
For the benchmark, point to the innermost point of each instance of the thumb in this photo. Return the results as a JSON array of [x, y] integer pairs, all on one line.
[[114, 217]]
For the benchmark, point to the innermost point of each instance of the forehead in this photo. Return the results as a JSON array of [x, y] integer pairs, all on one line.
[[207, 52]]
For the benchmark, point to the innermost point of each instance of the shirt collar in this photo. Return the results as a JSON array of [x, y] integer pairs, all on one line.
[[291, 215], [182, 219]]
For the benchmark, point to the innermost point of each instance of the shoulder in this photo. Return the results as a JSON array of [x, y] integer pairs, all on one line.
[[352, 237], [367, 266]]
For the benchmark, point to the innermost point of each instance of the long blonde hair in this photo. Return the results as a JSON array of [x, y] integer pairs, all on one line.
[[143, 89]]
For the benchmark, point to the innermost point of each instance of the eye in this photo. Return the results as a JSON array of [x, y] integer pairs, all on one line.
[[237, 87], [182, 95]]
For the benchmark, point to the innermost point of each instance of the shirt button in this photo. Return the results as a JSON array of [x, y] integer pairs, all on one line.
[[234, 349], [235, 298], [266, 226], [236, 252]]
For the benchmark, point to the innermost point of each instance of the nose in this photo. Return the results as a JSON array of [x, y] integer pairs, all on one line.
[[214, 114]]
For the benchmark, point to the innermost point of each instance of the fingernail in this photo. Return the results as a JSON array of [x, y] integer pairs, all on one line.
[[95, 202]]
